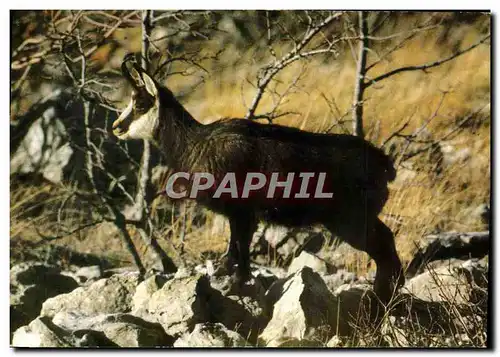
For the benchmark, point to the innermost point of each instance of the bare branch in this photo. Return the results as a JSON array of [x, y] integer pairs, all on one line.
[[118, 218], [295, 54], [399, 131], [426, 66], [48, 238]]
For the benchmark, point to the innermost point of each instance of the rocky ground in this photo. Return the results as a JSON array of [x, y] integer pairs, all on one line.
[[312, 303]]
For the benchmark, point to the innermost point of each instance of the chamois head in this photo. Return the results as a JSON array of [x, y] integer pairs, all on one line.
[[140, 118]]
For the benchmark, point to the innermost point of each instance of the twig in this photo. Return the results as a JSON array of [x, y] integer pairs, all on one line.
[[118, 218], [47, 238], [295, 54], [426, 66]]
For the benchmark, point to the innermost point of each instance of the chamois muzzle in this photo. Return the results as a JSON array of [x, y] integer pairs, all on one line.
[[122, 124]]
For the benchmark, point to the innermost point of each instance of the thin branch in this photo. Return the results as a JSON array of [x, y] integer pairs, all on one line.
[[49, 238], [398, 131], [295, 54], [118, 218], [426, 66]]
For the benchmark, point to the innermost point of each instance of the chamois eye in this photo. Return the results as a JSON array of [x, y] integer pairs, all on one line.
[[143, 103]]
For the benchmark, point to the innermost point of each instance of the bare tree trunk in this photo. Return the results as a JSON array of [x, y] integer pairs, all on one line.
[[141, 197], [357, 114], [119, 220], [144, 191]]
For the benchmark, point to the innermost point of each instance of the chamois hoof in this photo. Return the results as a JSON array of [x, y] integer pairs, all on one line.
[[244, 287]]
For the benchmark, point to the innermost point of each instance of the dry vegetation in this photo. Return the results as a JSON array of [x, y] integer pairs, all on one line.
[[448, 93], [318, 101], [449, 103]]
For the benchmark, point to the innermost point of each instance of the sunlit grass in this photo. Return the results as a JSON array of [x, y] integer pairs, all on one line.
[[323, 95]]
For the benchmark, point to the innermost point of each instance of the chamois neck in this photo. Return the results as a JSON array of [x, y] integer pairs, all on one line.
[[176, 130]]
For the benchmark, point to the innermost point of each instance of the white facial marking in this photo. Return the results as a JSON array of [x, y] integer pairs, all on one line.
[[139, 128], [143, 127]]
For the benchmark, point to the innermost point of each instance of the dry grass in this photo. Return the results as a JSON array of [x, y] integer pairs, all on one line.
[[422, 204], [324, 93], [450, 92]]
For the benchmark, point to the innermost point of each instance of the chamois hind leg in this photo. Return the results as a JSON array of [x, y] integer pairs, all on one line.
[[375, 238], [381, 247]]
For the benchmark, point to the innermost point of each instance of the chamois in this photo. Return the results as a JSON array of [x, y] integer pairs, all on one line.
[[357, 174]]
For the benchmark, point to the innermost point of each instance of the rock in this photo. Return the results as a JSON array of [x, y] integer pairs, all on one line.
[[183, 302], [357, 288], [30, 285], [396, 330], [145, 290], [18, 318], [274, 235], [240, 310], [205, 269], [302, 239], [449, 245], [211, 335], [105, 296], [93, 272], [413, 322], [334, 342], [41, 275], [41, 332], [341, 277], [136, 335], [267, 275], [180, 304], [297, 343], [280, 244], [404, 332], [460, 283], [479, 216], [357, 305], [272, 295], [305, 311], [43, 149], [337, 254], [306, 259], [27, 252], [186, 272], [124, 330], [108, 273]]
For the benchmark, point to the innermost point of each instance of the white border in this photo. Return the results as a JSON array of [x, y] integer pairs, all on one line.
[[265, 4]]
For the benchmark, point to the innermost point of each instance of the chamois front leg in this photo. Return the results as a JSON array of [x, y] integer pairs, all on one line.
[[229, 259], [243, 226]]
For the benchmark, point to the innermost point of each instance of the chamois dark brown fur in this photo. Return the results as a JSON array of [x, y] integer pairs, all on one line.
[[357, 174]]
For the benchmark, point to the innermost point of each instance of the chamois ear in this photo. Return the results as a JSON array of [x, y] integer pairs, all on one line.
[[131, 71], [150, 84]]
